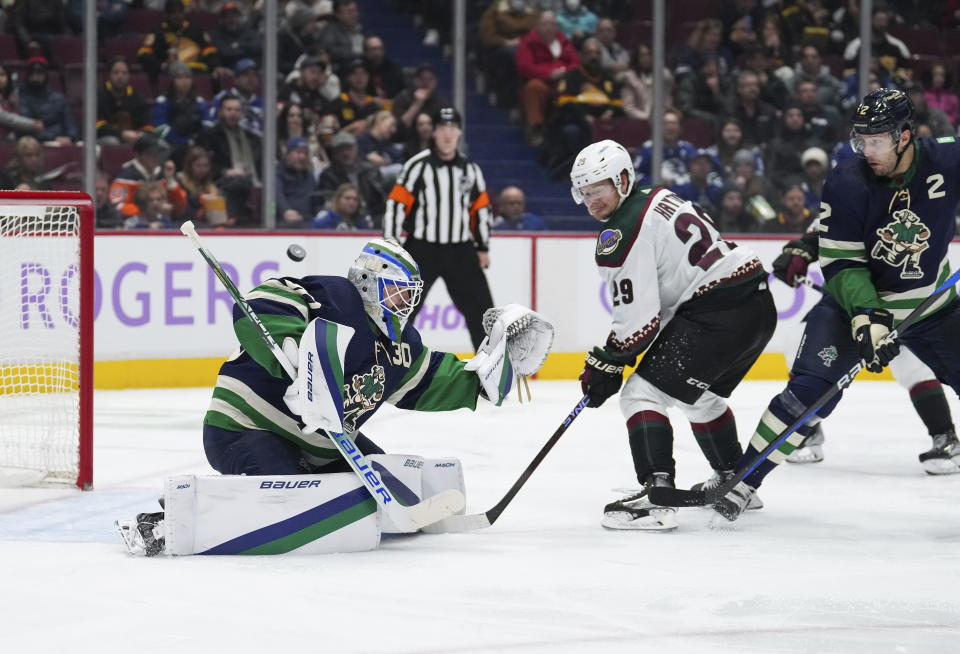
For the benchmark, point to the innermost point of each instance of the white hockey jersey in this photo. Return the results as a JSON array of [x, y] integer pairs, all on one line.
[[658, 251]]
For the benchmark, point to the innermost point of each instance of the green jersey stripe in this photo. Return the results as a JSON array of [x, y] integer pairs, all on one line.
[[450, 388], [217, 415], [832, 244], [266, 416], [413, 377], [280, 327]]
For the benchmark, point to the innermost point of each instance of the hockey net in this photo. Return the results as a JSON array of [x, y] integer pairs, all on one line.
[[46, 338]]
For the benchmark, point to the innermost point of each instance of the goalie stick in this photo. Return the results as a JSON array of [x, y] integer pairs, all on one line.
[[408, 518], [684, 497], [469, 522]]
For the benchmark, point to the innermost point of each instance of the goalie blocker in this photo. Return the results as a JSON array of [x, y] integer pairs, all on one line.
[[284, 514]]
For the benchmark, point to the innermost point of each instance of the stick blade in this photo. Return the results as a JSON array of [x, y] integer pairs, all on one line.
[[437, 507], [459, 523], [677, 497]]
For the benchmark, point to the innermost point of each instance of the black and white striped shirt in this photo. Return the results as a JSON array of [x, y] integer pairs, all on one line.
[[439, 202]]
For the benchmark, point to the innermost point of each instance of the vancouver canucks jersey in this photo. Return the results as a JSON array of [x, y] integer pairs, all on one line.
[[658, 251], [251, 384], [883, 242]]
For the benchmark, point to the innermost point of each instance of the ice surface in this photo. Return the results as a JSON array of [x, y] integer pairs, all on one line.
[[855, 554]]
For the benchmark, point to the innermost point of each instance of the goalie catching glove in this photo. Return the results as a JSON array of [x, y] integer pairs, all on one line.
[[871, 328], [518, 342]]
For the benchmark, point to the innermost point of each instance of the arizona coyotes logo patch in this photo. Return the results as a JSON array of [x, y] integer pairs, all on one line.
[[362, 394], [828, 354], [608, 241], [901, 243]]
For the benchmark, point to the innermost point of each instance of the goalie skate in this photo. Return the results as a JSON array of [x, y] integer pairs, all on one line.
[[719, 478], [143, 536], [944, 457], [634, 511], [811, 450]]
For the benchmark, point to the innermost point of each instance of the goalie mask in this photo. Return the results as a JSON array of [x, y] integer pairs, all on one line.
[[388, 280], [600, 161]]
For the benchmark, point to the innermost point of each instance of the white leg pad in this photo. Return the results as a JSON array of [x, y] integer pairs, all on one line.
[[281, 514], [296, 514]]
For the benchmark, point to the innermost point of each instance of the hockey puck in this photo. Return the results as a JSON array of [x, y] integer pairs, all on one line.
[[296, 252]]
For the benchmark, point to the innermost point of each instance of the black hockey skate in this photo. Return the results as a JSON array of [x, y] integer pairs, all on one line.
[[719, 478], [731, 505], [944, 457], [635, 511]]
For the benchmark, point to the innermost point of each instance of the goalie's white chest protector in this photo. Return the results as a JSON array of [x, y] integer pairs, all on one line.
[[657, 252]]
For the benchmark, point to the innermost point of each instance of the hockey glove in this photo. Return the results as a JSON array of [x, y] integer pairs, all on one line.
[[602, 376], [529, 336], [870, 330], [793, 261]]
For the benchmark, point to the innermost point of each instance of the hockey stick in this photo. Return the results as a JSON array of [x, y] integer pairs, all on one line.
[[408, 518], [806, 281], [683, 497], [456, 523]]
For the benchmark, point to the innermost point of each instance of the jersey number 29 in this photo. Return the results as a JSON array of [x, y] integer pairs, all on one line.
[[622, 292]]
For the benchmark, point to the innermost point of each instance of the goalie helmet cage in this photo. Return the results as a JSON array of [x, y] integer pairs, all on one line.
[[46, 338]]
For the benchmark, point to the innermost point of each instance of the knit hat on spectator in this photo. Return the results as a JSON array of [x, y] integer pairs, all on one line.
[[342, 138], [814, 154], [229, 6], [744, 157], [296, 142], [35, 63], [244, 65]]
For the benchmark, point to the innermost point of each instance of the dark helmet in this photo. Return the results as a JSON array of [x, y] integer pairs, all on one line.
[[883, 110]]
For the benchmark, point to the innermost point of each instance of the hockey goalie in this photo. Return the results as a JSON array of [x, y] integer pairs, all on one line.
[[285, 485]]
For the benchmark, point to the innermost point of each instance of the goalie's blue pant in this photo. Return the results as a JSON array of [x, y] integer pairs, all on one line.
[[259, 452]]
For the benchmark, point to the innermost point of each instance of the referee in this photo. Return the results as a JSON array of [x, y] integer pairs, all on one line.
[[440, 201]]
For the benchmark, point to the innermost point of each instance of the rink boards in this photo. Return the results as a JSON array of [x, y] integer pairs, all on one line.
[[163, 320]]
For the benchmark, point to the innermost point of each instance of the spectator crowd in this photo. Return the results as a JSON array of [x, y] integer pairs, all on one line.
[[757, 95]]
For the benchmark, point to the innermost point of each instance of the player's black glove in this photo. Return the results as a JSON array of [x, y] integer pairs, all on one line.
[[602, 376], [870, 327], [794, 260]]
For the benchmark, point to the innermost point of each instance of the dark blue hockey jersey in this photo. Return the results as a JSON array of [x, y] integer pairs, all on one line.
[[883, 242], [251, 384]]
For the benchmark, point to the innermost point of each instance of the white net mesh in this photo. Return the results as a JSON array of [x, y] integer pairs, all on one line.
[[39, 343]]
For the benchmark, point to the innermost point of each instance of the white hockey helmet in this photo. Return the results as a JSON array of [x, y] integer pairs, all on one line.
[[389, 282], [599, 161]]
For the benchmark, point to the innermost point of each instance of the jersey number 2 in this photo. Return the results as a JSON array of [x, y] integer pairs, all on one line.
[[697, 256], [934, 191]]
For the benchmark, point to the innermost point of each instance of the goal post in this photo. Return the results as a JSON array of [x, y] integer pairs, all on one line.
[[46, 338]]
